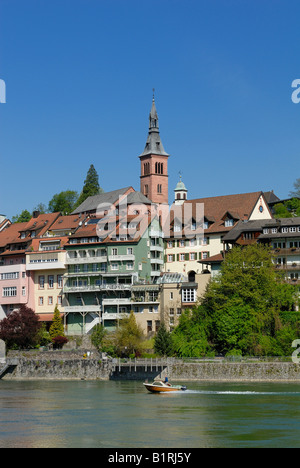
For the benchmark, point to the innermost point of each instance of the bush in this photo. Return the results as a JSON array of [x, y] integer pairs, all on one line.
[[59, 341]]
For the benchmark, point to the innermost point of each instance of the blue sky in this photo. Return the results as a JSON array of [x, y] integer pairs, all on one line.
[[79, 76]]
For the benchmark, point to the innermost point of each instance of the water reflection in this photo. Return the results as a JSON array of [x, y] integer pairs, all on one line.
[[123, 414]]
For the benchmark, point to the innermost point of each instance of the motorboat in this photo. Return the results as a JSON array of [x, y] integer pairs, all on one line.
[[159, 386]]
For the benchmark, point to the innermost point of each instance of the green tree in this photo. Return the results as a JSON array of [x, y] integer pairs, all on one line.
[[163, 341], [63, 202], [190, 336], [288, 209], [22, 218], [91, 186], [128, 336], [245, 301], [57, 327], [98, 335]]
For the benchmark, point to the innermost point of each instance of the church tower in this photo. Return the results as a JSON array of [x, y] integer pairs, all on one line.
[[154, 163], [180, 193]]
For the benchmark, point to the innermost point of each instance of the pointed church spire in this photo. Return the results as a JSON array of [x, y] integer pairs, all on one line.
[[153, 143]]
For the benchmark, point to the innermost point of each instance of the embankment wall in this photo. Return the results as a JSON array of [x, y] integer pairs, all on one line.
[[62, 365]]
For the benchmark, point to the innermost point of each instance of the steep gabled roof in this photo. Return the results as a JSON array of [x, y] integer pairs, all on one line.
[[92, 204]]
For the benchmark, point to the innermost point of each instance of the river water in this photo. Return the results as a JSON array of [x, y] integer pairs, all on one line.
[[68, 414]]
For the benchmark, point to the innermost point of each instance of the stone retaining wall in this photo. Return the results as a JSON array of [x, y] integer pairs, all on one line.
[[75, 365], [235, 371]]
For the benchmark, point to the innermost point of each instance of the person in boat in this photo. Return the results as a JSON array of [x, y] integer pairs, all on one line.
[[166, 381]]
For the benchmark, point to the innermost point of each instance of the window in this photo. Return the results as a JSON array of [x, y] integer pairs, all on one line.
[[228, 222], [129, 251], [170, 244], [59, 281], [192, 256], [170, 258], [292, 229], [114, 266], [171, 295], [181, 243], [50, 300], [159, 188], [41, 282], [59, 300], [114, 252], [274, 230], [9, 292], [189, 295], [23, 291], [50, 281], [41, 301], [182, 257], [6, 276], [129, 266], [171, 311], [284, 229]]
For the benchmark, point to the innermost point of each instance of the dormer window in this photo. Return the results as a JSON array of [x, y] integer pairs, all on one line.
[[228, 222]]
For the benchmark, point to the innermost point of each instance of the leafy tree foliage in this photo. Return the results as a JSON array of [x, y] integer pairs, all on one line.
[[287, 209], [241, 310], [22, 218], [128, 336], [63, 202], [98, 335], [20, 329]]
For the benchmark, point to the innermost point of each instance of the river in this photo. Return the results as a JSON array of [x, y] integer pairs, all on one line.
[[97, 414]]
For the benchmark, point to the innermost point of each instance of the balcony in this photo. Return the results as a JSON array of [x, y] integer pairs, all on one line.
[[113, 316], [49, 264], [121, 258], [97, 288], [158, 261], [82, 308], [80, 260], [156, 248], [117, 301]]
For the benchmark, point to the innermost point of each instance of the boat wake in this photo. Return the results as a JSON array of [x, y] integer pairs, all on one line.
[[237, 392]]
